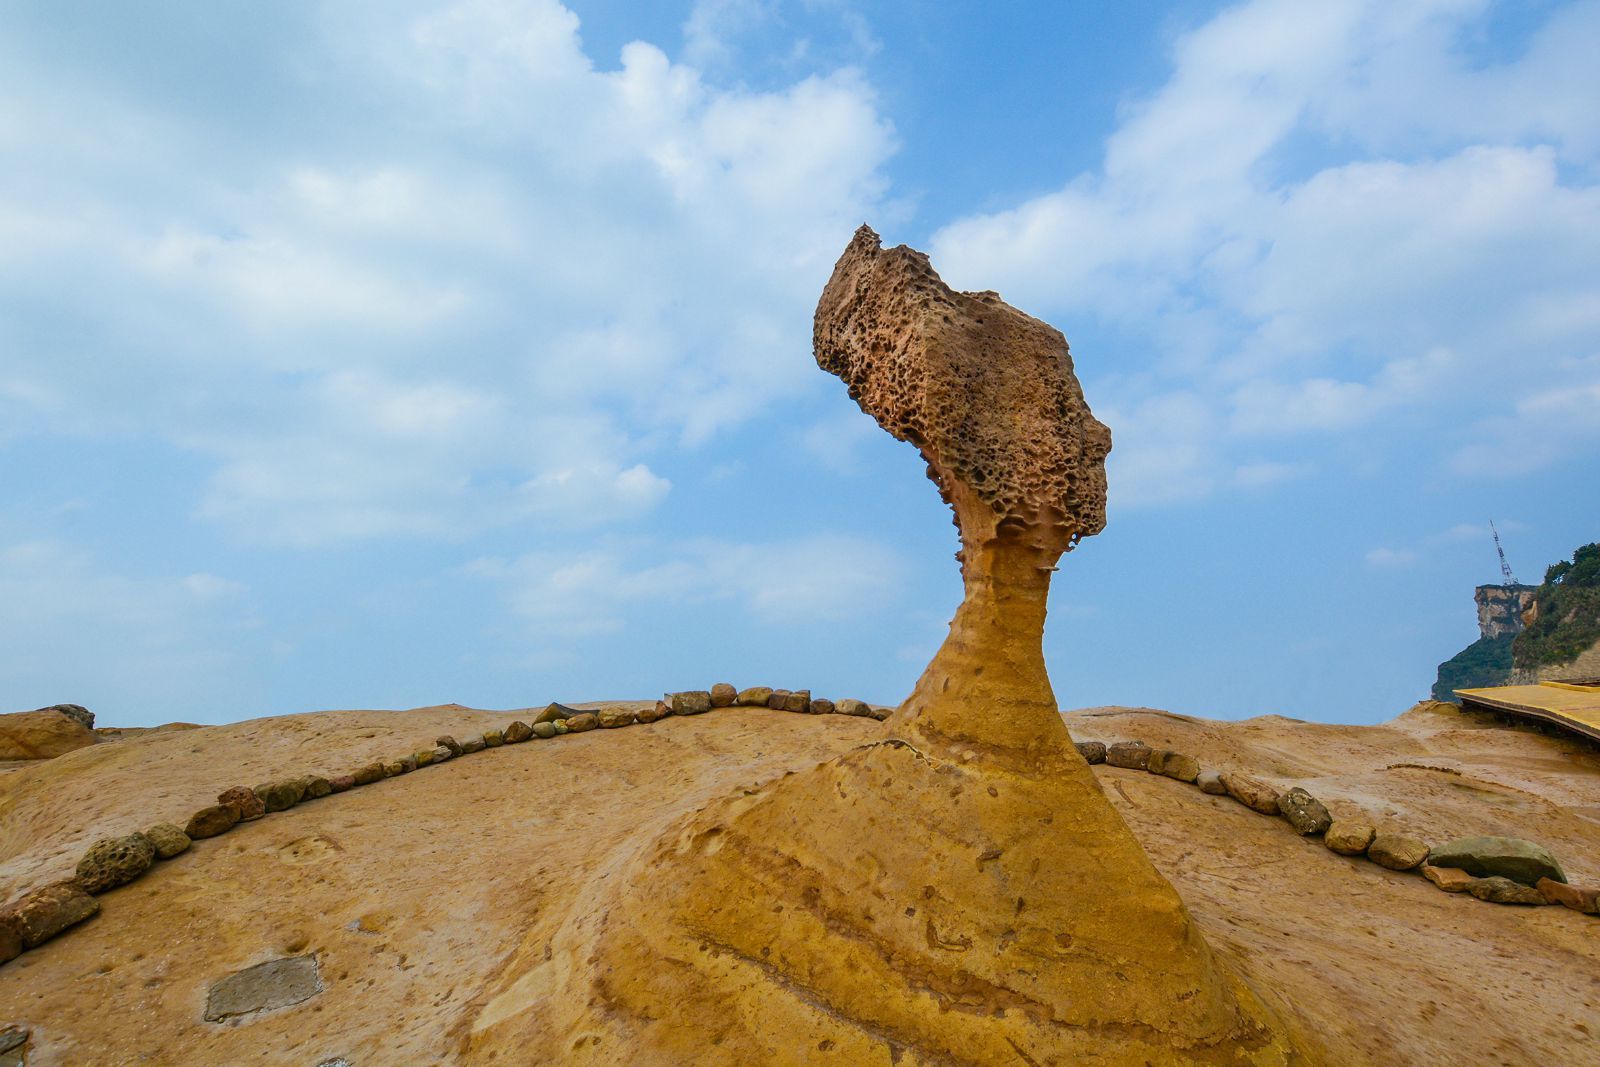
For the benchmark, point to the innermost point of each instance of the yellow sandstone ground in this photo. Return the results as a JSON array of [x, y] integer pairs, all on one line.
[[431, 899]]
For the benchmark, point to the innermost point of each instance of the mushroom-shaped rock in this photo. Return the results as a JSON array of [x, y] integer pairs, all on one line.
[[958, 890]]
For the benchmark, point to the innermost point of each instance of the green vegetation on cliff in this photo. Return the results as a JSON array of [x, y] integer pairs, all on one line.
[[1567, 613], [1485, 662]]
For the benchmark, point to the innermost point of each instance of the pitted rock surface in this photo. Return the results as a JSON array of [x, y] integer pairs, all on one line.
[[934, 367], [115, 861]]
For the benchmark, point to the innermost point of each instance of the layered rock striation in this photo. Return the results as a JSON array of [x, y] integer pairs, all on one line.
[[960, 890]]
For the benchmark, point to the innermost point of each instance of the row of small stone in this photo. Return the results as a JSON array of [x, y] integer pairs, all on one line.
[[43, 913], [1500, 870]]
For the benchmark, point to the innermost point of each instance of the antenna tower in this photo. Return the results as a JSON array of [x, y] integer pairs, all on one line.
[[1505, 568]]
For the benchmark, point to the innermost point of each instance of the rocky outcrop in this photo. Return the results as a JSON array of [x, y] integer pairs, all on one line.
[[960, 890], [44, 734], [1500, 608]]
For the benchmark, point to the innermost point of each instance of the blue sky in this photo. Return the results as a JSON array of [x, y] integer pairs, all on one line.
[[379, 355]]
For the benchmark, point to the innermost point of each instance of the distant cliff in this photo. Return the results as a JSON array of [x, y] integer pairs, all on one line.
[[1561, 638], [1532, 633], [1487, 661]]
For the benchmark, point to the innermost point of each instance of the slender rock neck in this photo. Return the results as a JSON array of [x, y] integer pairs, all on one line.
[[986, 692]]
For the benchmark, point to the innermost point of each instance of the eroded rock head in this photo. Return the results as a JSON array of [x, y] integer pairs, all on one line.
[[985, 392]]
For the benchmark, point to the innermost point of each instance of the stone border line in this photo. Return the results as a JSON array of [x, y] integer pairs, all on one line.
[[43, 913], [1499, 870]]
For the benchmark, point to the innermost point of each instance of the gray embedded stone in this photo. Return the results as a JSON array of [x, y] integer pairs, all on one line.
[[115, 861], [1133, 755], [471, 745], [1505, 857], [442, 753], [12, 1038], [274, 984], [544, 730], [1304, 812], [723, 695], [852, 706], [1091, 751], [691, 702], [1211, 782], [168, 840]]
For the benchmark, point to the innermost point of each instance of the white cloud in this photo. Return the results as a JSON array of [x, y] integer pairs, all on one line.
[[203, 586], [1391, 557], [1289, 288], [1538, 429], [817, 577], [361, 339], [134, 642], [1268, 473]]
